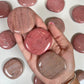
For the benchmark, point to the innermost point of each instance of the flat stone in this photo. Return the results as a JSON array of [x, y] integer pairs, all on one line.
[[5, 9], [13, 68], [51, 65], [38, 41], [21, 20], [27, 3]]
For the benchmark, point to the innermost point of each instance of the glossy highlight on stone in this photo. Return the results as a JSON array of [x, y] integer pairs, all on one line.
[[13, 68], [7, 39], [27, 3], [58, 22], [78, 42], [51, 65], [37, 81], [5, 9], [55, 5], [38, 41], [21, 20], [78, 14]]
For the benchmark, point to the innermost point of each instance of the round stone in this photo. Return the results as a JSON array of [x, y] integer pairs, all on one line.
[[7, 39], [37, 81], [27, 3], [21, 20], [5, 9], [55, 5], [38, 41], [51, 65], [13, 68], [78, 42], [78, 14], [57, 21]]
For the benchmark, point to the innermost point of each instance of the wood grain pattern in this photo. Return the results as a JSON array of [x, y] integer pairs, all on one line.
[[38, 41], [21, 20], [51, 65], [13, 68]]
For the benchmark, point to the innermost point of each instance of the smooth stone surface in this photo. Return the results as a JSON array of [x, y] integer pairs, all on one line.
[[80, 75], [55, 5], [57, 21], [51, 65], [27, 3], [37, 81], [7, 39], [38, 41], [78, 42], [5, 9], [13, 68], [78, 14], [21, 20]]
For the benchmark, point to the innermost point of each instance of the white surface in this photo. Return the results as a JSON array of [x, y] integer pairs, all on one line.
[[40, 8]]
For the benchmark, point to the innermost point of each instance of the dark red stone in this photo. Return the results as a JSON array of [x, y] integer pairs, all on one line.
[[55, 5], [27, 3], [38, 41], [7, 39], [80, 75], [78, 42], [5, 9], [78, 14]]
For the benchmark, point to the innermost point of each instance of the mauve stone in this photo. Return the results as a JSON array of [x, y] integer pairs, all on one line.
[[51, 65]]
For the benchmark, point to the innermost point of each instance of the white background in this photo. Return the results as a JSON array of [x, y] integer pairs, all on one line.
[[40, 8]]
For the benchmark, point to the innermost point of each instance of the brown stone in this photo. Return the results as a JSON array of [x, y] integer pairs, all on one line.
[[78, 14], [51, 65], [13, 68], [27, 3]]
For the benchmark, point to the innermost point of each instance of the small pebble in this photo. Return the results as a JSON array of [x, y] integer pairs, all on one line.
[[13, 68], [5, 9], [7, 39]]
